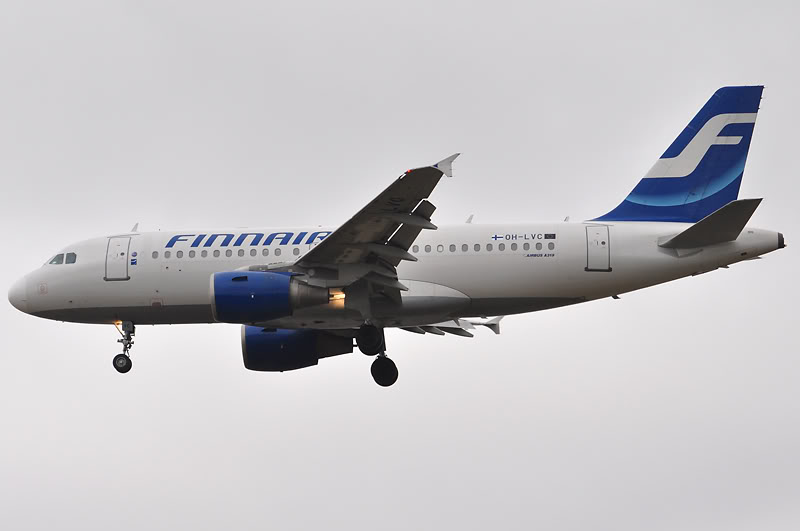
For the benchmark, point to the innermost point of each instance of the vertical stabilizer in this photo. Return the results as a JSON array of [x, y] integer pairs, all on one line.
[[701, 171]]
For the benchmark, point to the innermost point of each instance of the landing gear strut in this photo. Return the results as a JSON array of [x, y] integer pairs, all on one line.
[[384, 371], [122, 362]]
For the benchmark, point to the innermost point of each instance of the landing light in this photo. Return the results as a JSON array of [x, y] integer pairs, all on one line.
[[336, 299], [336, 295]]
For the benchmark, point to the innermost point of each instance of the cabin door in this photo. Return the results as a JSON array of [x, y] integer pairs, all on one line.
[[117, 258], [597, 248]]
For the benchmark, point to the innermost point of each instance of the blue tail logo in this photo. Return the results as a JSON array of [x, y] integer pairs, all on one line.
[[702, 170]]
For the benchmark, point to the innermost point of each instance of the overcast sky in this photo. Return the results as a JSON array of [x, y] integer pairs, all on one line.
[[675, 407]]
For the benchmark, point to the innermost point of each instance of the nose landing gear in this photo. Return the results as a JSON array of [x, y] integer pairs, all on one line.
[[122, 362]]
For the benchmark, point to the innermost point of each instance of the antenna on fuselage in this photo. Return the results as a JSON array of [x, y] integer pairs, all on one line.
[[135, 227]]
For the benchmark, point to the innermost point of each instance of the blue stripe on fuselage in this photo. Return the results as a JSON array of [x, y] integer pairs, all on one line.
[[225, 239]]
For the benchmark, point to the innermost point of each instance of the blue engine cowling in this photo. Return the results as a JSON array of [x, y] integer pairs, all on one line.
[[287, 350], [259, 296]]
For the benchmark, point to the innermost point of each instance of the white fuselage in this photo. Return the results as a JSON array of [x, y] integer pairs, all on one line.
[[465, 270]]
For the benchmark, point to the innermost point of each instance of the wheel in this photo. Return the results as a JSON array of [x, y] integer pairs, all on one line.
[[384, 371], [122, 363], [370, 340]]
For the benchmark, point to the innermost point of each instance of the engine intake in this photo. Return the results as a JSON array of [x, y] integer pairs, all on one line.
[[287, 350], [256, 296]]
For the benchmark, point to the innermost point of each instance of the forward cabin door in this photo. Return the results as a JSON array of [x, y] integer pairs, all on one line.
[[597, 248], [117, 258]]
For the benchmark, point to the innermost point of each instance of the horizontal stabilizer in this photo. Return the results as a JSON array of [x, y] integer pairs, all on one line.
[[723, 225]]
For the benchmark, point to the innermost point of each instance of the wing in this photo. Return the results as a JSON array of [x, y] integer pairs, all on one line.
[[388, 225], [361, 256], [457, 327]]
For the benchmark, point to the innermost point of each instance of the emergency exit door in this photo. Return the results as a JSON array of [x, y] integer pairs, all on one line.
[[597, 248], [117, 258]]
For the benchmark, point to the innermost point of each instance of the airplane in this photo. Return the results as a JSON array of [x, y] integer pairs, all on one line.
[[302, 294]]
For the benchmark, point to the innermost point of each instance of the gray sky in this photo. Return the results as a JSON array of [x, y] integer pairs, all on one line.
[[673, 408]]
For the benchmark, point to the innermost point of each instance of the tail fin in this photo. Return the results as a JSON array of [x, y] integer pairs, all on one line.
[[702, 170]]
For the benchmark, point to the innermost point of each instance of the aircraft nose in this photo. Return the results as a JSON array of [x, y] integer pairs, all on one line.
[[18, 296]]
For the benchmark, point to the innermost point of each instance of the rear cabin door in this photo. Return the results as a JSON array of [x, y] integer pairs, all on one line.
[[117, 258], [597, 248]]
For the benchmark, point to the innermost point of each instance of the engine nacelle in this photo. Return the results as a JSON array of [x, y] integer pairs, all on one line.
[[257, 296], [287, 350]]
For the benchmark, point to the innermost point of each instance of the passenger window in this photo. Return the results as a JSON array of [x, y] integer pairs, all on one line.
[[166, 254], [295, 251], [427, 248], [277, 252], [440, 247], [179, 254], [203, 253], [216, 253], [551, 246], [253, 252], [538, 246], [265, 252], [477, 247], [228, 253], [241, 252], [526, 246], [71, 257], [155, 255], [513, 246], [501, 247], [464, 248], [57, 259], [452, 248], [192, 254], [415, 248], [488, 246]]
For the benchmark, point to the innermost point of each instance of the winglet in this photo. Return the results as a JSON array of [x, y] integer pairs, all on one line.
[[446, 165], [492, 324]]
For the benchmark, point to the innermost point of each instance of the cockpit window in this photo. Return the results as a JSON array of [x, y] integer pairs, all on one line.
[[71, 257], [57, 259]]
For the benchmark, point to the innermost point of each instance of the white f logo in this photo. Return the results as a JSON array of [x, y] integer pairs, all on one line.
[[685, 163]]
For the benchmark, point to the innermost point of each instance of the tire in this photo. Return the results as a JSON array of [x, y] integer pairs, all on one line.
[[370, 340], [384, 371], [122, 363]]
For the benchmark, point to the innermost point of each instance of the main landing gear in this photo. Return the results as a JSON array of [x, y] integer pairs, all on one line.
[[384, 371], [122, 362], [371, 341]]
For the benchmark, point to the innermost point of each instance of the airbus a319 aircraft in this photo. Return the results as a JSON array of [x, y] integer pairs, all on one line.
[[303, 294]]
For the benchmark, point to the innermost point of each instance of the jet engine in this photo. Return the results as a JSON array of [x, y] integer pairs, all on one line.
[[287, 350], [258, 296]]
